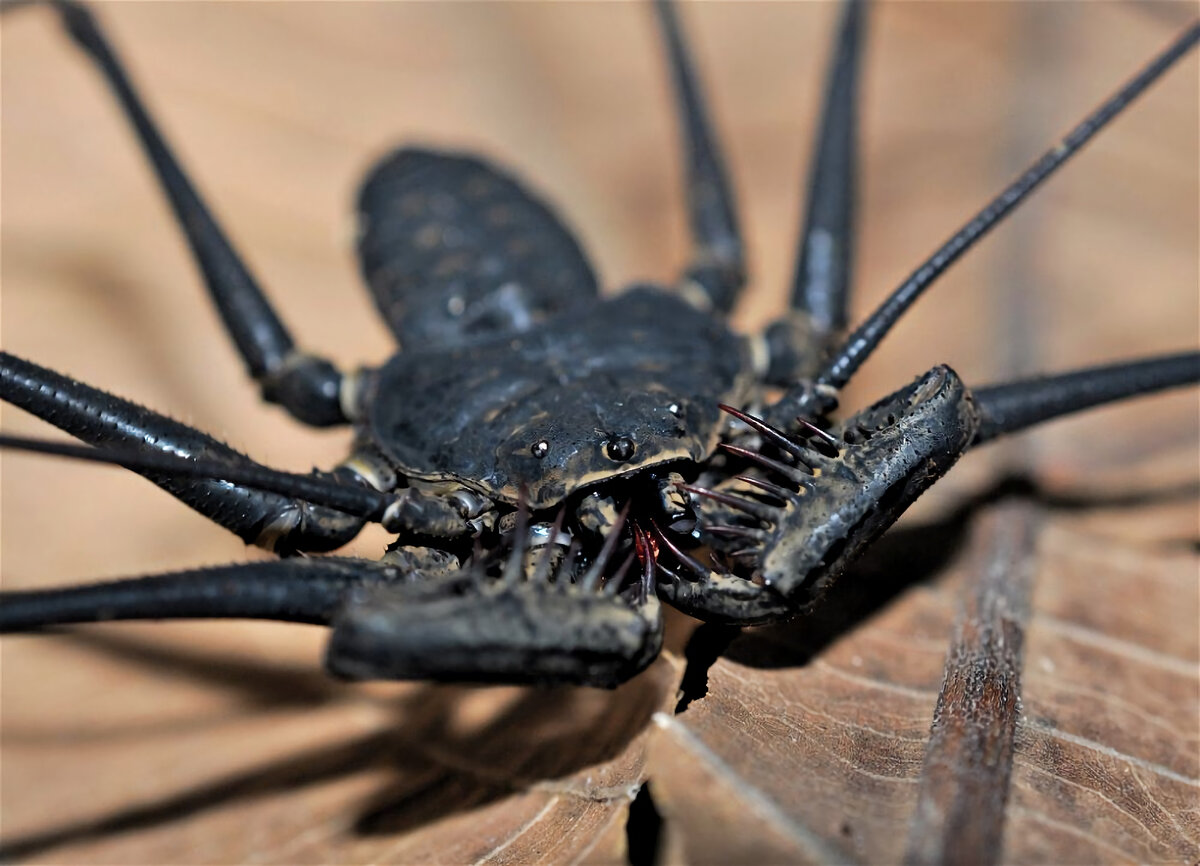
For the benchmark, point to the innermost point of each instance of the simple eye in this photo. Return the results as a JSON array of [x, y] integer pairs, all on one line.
[[540, 448], [620, 448]]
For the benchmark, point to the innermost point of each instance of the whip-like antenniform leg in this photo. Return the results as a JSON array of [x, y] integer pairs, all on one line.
[[717, 268], [307, 386]]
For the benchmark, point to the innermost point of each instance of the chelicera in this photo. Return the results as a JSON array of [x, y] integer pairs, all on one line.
[[553, 464]]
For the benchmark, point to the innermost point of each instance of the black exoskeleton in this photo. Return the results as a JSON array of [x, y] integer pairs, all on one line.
[[552, 462]]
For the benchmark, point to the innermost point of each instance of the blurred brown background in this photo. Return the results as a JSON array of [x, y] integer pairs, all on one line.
[[279, 108]]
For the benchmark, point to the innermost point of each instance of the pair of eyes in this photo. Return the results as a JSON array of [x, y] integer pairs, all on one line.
[[619, 449]]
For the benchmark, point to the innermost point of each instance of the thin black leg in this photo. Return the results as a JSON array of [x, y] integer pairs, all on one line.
[[1014, 406], [318, 489], [307, 386], [270, 520], [825, 250], [820, 396], [717, 267], [290, 590]]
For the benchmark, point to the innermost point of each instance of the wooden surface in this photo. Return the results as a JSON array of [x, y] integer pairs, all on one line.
[[222, 742]]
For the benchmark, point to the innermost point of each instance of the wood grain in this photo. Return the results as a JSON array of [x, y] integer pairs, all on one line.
[[214, 743]]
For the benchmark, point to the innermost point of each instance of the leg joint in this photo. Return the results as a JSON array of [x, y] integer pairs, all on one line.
[[308, 387]]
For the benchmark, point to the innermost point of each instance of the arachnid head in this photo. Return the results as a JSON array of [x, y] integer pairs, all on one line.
[[633, 384], [807, 515], [523, 633], [585, 441], [637, 387]]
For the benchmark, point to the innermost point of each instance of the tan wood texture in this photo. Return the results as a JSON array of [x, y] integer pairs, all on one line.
[[222, 743]]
